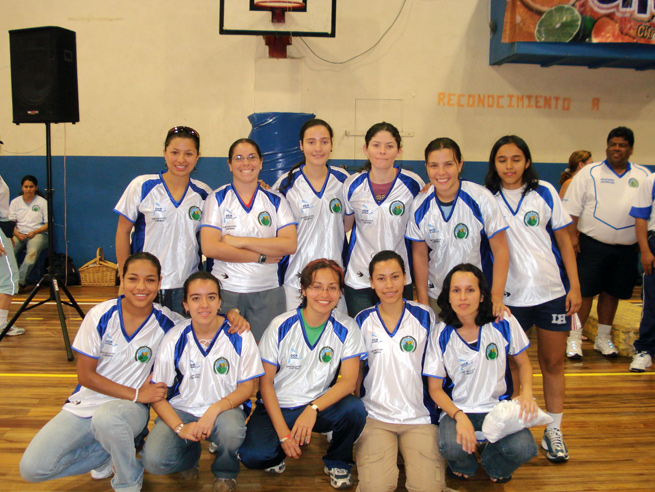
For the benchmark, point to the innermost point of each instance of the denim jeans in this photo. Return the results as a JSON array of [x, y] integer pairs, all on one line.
[[34, 247], [346, 419], [499, 459], [71, 445], [165, 452]]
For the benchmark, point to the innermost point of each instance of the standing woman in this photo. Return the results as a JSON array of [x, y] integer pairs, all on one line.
[[8, 266], [472, 349], [209, 373], [108, 413], [377, 201], [248, 230], [30, 212], [542, 284], [315, 192], [164, 211], [577, 160], [455, 222], [395, 334]]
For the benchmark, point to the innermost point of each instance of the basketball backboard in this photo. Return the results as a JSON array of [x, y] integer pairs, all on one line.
[[316, 19]]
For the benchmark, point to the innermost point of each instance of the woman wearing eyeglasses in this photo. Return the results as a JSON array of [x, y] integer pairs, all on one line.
[[248, 230], [164, 212]]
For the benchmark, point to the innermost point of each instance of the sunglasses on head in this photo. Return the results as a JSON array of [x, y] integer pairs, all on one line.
[[184, 129]]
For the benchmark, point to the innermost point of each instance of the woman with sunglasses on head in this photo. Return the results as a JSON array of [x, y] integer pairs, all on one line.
[[248, 230], [400, 414], [304, 351], [164, 211], [107, 415], [315, 192], [377, 201]]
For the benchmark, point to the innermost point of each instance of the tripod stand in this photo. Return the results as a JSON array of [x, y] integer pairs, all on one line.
[[51, 275]]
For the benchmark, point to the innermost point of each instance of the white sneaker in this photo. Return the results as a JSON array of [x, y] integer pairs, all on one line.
[[605, 346], [339, 478], [213, 447], [13, 331], [574, 348], [103, 472], [277, 469], [553, 443], [640, 362]]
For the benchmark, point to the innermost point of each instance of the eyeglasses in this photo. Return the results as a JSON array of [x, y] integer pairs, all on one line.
[[316, 288], [184, 129], [242, 158]]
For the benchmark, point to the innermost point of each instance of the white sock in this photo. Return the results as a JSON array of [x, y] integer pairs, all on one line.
[[575, 334], [557, 420], [4, 314], [605, 330]]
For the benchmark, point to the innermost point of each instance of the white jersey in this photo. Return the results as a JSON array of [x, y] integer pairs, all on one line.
[[643, 205], [393, 387], [4, 200], [267, 214], [121, 359], [165, 227], [28, 216], [462, 237], [536, 270], [478, 373], [602, 200], [378, 226], [306, 372], [320, 220], [200, 377]]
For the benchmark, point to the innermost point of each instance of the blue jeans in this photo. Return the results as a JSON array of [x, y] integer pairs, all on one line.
[[646, 341], [346, 419], [34, 247], [165, 452], [71, 445], [499, 459]]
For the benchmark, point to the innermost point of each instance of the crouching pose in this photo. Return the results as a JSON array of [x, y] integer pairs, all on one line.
[[302, 351], [107, 413], [210, 373]]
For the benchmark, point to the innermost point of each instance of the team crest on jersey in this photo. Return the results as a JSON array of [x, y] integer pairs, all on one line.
[[326, 354], [143, 354], [336, 206], [36, 208], [221, 366], [633, 183], [492, 351], [408, 344], [531, 219], [461, 231], [194, 213], [397, 208], [264, 219]]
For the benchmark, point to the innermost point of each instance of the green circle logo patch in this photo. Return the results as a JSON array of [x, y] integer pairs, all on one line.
[[408, 344], [326, 354], [531, 219], [633, 183], [194, 213], [335, 206], [143, 354], [36, 208], [397, 208], [264, 219], [221, 366], [492, 351], [461, 231]]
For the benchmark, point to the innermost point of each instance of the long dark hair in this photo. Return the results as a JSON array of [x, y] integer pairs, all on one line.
[[485, 311], [530, 177], [286, 183], [383, 126], [32, 179]]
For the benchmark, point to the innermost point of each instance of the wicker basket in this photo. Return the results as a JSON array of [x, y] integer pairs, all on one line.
[[98, 272]]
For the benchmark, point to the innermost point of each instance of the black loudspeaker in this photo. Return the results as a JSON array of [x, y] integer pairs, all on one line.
[[44, 75]]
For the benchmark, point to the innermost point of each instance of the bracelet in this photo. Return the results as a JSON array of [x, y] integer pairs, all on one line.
[[178, 428], [455, 414], [236, 310], [136, 396], [231, 404], [285, 438], [315, 407]]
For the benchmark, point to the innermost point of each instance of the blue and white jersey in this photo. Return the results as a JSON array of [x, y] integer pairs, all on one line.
[[306, 371], [536, 270], [165, 227], [643, 205], [199, 376], [28, 216], [123, 359], [602, 200], [320, 220], [4, 200], [378, 225], [461, 237], [393, 386], [479, 374], [267, 214]]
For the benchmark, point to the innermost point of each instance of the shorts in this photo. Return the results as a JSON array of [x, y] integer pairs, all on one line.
[[610, 268], [549, 316]]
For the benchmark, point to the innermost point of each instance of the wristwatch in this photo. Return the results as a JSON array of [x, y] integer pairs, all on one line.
[[315, 407], [262, 259]]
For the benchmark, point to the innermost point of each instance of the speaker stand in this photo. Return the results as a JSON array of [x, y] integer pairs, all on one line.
[[51, 275]]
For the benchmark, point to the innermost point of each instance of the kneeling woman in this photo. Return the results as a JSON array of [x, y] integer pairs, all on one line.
[[302, 352], [211, 373], [396, 333], [471, 349], [99, 424]]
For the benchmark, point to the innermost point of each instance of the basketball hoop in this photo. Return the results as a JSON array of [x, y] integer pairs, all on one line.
[[277, 45]]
